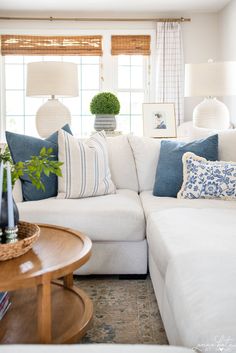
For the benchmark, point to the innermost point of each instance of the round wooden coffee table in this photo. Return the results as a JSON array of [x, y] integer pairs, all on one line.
[[45, 310]]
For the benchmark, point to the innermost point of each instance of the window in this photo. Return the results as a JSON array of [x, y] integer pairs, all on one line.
[[132, 90], [127, 75], [20, 110]]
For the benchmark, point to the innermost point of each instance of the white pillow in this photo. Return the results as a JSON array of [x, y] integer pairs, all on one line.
[[206, 179], [227, 145], [122, 164], [85, 169], [146, 152], [227, 141]]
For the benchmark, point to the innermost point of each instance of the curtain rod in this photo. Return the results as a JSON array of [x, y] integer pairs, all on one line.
[[76, 19]]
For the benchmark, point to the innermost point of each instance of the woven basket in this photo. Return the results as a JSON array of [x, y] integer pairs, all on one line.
[[28, 233]]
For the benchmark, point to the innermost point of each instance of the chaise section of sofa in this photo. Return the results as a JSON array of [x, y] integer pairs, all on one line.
[[201, 291], [191, 262], [192, 248], [175, 232]]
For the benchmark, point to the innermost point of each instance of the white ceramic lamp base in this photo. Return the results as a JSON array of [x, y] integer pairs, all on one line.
[[211, 114], [51, 116]]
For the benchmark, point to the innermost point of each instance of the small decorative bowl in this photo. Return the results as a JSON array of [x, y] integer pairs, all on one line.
[[28, 233]]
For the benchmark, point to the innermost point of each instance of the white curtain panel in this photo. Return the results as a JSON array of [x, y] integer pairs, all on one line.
[[170, 67]]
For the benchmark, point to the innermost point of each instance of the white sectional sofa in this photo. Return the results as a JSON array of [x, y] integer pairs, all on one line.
[[115, 223], [191, 243]]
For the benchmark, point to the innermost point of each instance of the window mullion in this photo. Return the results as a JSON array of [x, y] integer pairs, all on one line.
[[108, 82], [130, 95], [24, 92], [2, 99]]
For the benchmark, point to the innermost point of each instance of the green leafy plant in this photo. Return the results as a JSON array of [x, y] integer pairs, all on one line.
[[105, 103], [43, 164]]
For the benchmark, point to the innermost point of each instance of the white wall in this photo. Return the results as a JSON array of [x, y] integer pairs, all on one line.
[[227, 38], [200, 44], [200, 36]]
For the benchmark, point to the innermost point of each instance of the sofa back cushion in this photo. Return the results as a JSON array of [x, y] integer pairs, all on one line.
[[17, 191], [227, 142], [146, 154], [121, 163]]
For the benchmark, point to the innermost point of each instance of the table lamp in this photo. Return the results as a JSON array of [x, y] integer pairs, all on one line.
[[211, 80], [54, 79]]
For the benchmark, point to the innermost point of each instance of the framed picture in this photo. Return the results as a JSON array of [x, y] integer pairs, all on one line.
[[159, 120]]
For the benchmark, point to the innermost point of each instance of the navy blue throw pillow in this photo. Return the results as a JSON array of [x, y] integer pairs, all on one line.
[[169, 172], [22, 148]]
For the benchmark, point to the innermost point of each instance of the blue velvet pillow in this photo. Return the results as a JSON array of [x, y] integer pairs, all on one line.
[[169, 172], [22, 148]]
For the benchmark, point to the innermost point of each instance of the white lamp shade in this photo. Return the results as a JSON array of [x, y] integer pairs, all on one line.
[[212, 79], [52, 78]]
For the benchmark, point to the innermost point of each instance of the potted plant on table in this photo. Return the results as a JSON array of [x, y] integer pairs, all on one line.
[[105, 106]]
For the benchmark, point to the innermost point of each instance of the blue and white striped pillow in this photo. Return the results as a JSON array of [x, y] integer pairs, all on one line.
[[85, 170]]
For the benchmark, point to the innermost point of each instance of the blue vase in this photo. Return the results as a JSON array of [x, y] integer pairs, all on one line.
[[4, 212]]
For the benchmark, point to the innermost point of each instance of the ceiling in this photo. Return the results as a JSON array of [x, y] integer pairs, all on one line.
[[101, 7]]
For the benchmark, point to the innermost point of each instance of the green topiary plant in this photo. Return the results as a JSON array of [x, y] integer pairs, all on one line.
[[105, 103], [34, 168]]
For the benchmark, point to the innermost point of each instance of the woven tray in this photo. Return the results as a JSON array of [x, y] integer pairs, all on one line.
[[28, 233]]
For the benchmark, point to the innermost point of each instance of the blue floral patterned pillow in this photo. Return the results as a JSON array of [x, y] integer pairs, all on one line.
[[207, 180]]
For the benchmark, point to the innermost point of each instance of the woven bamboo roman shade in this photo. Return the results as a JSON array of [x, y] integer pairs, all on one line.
[[130, 45], [51, 45]]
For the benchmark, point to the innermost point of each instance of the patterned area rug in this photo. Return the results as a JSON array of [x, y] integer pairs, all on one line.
[[125, 311]]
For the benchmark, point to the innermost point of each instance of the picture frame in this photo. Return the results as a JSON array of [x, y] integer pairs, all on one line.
[[159, 120]]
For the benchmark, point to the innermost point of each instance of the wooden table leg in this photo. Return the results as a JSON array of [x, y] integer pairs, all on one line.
[[68, 281], [44, 313]]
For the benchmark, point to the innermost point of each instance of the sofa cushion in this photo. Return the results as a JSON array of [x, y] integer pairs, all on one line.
[[121, 163], [146, 154], [85, 168], [175, 232], [201, 291], [17, 191], [115, 217], [227, 141], [22, 148], [154, 204], [169, 173]]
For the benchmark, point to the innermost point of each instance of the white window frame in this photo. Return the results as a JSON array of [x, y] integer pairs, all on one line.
[[79, 114], [146, 81], [107, 79]]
